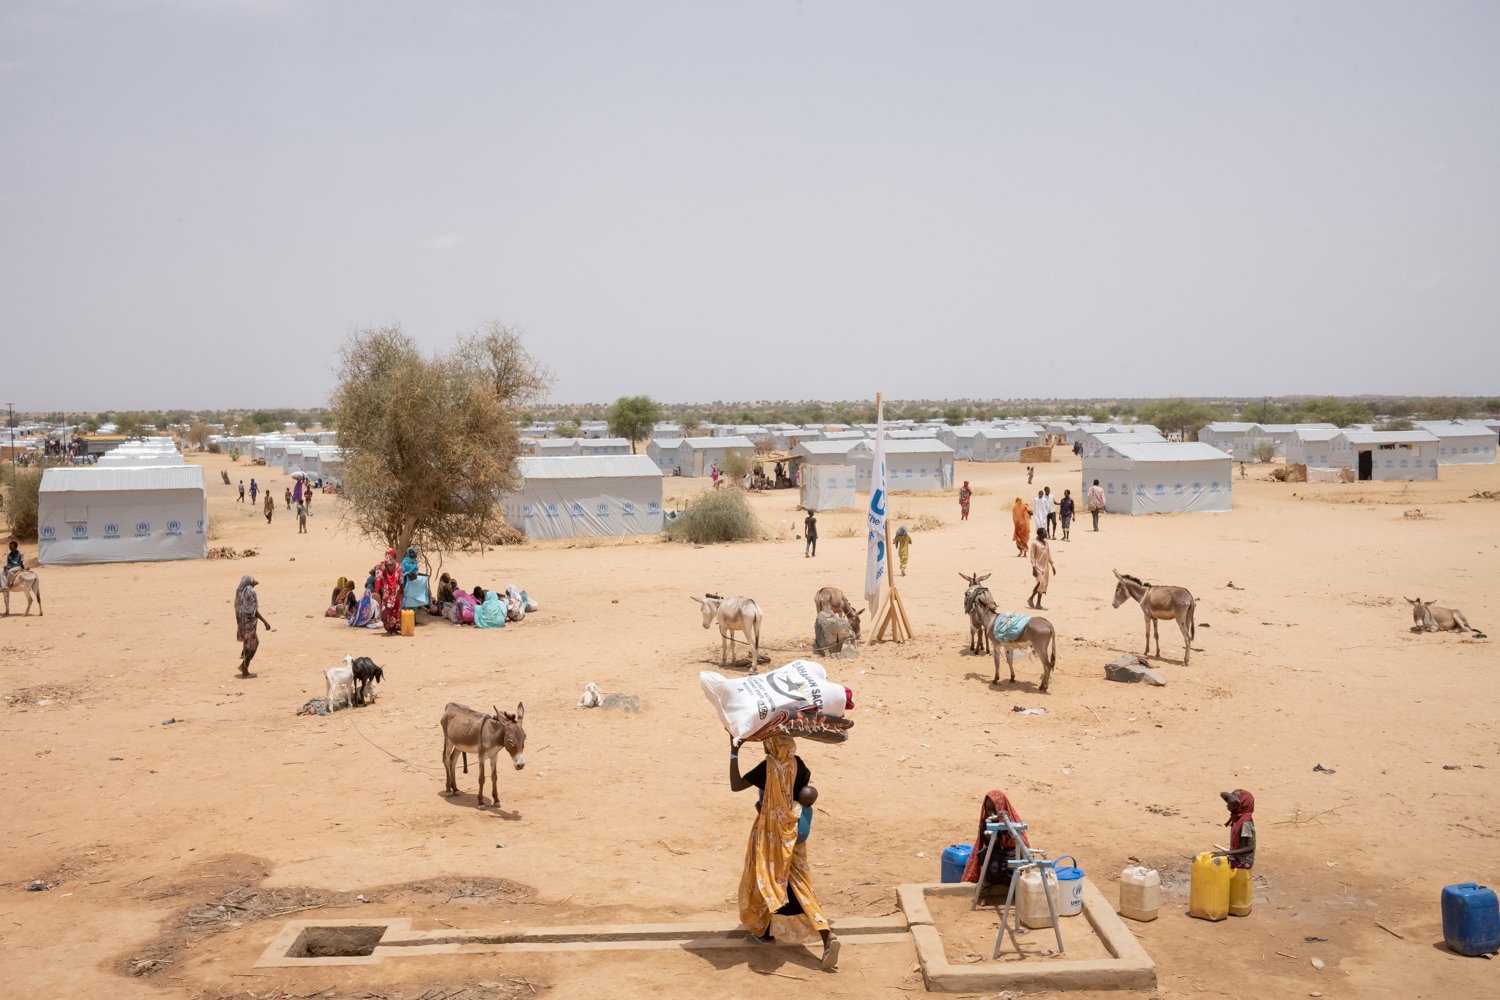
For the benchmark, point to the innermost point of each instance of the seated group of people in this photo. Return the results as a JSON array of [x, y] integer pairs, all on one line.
[[480, 607]]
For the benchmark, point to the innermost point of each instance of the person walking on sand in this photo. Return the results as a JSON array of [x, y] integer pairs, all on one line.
[[1039, 512], [242, 492], [254, 489], [1051, 512], [965, 495], [1065, 511], [1030, 471], [810, 532], [301, 518], [902, 543], [1096, 502], [289, 498], [1020, 517], [1042, 569], [247, 616], [776, 897], [270, 507]]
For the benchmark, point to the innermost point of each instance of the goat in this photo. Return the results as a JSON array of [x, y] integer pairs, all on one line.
[[468, 731], [341, 684], [366, 673], [833, 599], [1428, 617], [733, 614]]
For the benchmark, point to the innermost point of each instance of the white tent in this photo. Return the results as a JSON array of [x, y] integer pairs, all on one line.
[[998, 444], [1161, 478], [595, 495], [960, 439], [1229, 436], [604, 446], [828, 487], [1310, 446], [1461, 442], [1381, 455], [663, 451], [697, 455], [132, 514], [919, 465], [555, 447], [1103, 445], [810, 453]]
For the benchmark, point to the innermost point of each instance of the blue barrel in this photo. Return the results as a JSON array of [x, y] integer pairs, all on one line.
[[955, 860], [1471, 919]]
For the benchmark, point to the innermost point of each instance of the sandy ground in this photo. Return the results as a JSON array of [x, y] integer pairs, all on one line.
[[627, 817]]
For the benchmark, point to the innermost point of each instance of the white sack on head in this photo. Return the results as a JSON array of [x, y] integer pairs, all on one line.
[[796, 700]]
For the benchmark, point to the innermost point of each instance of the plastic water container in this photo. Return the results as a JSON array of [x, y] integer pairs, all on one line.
[[1208, 899], [1140, 893], [1030, 900], [408, 623], [1471, 919], [1241, 892], [955, 859], [1070, 882]]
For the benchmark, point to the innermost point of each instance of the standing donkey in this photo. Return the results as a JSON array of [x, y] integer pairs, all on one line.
[[1038, 635], [733, 614], [1159, 604]]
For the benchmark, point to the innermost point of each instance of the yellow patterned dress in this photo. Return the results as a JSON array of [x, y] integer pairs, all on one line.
[[775, 864]]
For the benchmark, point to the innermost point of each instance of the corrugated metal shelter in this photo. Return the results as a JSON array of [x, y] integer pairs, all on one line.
[[133, 514], [592, 495]]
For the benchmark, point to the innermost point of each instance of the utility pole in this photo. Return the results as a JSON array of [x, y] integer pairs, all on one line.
[[11, 409]]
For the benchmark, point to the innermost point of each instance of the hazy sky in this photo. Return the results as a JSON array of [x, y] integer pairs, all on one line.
[[200, 199]]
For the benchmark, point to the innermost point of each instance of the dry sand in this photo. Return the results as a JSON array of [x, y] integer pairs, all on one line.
[[627, 817]]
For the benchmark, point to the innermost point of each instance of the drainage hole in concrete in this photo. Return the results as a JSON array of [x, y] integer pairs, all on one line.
[[336, 942]]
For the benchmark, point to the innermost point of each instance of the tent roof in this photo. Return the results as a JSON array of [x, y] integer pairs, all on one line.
[[905, 446], [1450, 429], [1387, 437], [841, 446], [587, 467], [1316, 433], [122, 479], [1231, 426], [1135, 437], [667, 442], [604, 442], [1167, 451], [1290, 428], [729, 441], [1006, 432]]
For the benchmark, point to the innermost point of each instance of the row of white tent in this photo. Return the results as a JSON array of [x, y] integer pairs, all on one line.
[[1441, 442], [310, 452]]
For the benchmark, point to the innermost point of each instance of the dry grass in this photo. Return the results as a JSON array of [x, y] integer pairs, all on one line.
[[717, 516]]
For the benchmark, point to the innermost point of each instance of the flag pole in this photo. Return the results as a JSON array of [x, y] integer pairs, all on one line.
[[892, 616]]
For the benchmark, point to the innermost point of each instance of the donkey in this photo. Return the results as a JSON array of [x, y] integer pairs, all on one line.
[[1428, 617], [1038, 636], [979, 636], [833, 599], [25, 580], [468, 731], [1159, 604], [733, 614]]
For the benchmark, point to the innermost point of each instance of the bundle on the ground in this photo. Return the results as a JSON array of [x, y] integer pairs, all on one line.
[[795, 700]]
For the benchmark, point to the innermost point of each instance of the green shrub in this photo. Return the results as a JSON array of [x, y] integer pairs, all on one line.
[[736, 467], [22, 499], [1264, 450], [718, 516]]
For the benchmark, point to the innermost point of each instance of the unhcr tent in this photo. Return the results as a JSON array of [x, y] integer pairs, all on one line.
[[131, 514], [921, 465], [663, 451], [1160, 478], [828, 487], [1462, 442], [996, 444], [696, 456], [1380, 455], [591, 495]]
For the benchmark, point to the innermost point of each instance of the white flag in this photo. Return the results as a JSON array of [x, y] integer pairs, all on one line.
[[875, 561]]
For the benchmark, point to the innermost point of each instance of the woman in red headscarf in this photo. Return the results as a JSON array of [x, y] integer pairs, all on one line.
[[1241, 823], [388, 587]]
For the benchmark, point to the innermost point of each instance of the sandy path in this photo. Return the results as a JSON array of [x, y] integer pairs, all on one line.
[[627, 817]]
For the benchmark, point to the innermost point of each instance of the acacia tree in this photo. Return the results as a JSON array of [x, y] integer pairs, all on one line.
[[633, 417], [430, 443]]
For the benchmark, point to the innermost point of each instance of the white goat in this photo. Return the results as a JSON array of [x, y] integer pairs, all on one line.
[[341, 684]]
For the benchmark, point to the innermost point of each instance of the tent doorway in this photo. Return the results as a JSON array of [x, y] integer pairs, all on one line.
[[1366, 466]]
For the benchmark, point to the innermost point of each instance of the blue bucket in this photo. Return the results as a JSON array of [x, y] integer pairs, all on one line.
[[1069, 886], [955, 859]]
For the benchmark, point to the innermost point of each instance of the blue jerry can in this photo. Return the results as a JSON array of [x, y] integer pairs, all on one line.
[[1471, 919]]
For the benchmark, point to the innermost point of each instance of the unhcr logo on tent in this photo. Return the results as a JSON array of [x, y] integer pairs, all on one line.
[[174, 528], [575, 509], [527, 510], [628, 508], [80, 532], [653, 507], [111, 530], [143, 529], [49, 533], [602, 509]]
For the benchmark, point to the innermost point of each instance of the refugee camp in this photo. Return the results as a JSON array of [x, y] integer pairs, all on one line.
[[832, 500]]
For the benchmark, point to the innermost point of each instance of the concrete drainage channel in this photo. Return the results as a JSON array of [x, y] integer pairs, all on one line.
[[313, 943]]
